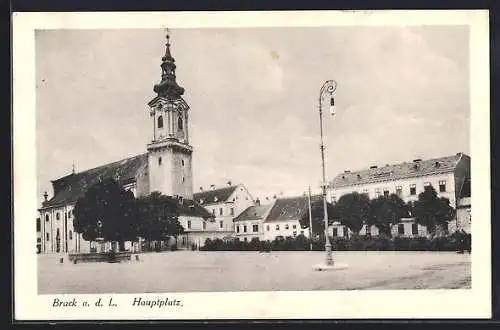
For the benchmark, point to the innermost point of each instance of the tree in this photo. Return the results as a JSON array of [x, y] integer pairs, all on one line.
[[386, 211], [105, 211], [431, 211], [157, 217], [353, 210], [317, 215]]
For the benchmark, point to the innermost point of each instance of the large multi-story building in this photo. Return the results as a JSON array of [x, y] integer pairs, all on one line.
[[166, 167], [450, 176]]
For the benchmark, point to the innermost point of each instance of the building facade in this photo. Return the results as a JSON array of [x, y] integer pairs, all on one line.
[[448, 175], [166, 167]]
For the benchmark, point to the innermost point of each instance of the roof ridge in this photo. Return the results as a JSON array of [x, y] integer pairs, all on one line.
[[100, 166], [399, 163]]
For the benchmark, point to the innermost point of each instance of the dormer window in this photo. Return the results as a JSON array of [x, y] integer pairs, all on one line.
[[160, 122]]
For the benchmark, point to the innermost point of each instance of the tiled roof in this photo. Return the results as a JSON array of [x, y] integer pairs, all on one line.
[[69, 188], [192, 209], [397, 171], [291, 208], [214, 196], [256, 212]]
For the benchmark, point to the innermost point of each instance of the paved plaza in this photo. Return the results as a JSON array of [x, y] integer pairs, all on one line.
[[188, 271]]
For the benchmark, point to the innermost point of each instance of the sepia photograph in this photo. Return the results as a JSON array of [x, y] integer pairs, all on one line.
[[225, 159]]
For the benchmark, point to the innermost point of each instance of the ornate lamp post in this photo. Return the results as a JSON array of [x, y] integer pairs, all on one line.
[[328, 87]]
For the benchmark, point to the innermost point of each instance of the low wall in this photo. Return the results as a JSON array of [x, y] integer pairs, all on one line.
[[99, 257]]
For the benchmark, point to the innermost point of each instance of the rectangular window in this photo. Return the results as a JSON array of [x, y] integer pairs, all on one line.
[[442, 186], [414, 229], [57, 216], [221, 224], [255, 228], [237, 229], [245, 239], [39, 240], [413, 189], [377, 193], [47, 237], [294, 226], [204, 225], [399, 191], [213, 211], [220, 211], [268, 228], [302, 232], [189, 224], [346, 231], [294, 233], [401, 229], [232, 211], [70, 234], [277, 227], [334, 199], [386, 192], [335, 232], [245, 228], [287, 227], [38, 225]]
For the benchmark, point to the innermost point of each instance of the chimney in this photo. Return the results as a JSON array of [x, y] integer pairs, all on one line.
[[212, 187], [229, 183], [257, 201], [201, 188]]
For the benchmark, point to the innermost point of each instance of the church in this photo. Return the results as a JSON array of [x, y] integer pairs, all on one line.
[[166, 167]]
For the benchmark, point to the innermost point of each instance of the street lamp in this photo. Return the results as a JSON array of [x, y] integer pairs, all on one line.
[[328, 87]]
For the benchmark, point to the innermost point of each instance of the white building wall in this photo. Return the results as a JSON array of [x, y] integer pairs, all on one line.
[[288, 228]]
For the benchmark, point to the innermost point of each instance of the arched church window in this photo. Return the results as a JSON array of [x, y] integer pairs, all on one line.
[[179, 123], [160, 122], [47, 217]]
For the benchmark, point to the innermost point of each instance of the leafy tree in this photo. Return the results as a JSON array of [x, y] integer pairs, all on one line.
[[317, 215], [386, 211], [353, 210], [105, 210], [432, 211], [157, 217]]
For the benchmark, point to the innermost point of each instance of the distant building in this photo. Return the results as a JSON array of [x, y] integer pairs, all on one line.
[[223, 204], [280, 218], [448, 175]]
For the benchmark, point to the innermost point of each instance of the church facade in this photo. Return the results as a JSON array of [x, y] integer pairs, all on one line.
[[166, 167]]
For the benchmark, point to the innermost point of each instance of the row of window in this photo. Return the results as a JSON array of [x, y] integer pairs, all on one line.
[[221, 211], [70, 235], [399, 190], [58, 216], [401, 230], [180, 124], [255, 228], [221, 224]]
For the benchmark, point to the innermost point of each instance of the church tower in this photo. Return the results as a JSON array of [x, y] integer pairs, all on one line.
[[169, 153]]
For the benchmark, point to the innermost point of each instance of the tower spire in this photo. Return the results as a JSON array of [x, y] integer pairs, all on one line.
[[168, 86]]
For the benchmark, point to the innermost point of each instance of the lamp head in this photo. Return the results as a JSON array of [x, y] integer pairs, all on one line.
[[332, 106]]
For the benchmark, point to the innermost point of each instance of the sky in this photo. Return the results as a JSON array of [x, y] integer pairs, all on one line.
[[403, 93]]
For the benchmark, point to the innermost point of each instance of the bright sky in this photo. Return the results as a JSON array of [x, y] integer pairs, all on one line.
[[403, 93]]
